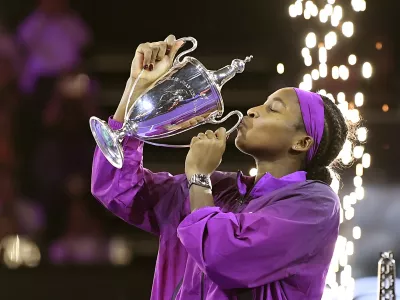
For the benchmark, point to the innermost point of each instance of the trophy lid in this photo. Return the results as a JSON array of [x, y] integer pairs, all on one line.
[[221, 76]]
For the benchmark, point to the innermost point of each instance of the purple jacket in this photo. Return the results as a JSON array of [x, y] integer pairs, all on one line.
[[272, 241]]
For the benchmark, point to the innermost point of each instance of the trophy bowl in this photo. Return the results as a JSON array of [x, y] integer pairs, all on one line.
[[187, 96]]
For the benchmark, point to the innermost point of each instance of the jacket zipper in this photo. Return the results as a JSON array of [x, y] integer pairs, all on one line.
[[242, 199], [202, 287]]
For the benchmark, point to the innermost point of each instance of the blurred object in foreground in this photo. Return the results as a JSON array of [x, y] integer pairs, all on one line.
[[19, 251], [387, 276]]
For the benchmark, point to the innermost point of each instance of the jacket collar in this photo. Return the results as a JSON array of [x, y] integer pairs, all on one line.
[[266, 184]]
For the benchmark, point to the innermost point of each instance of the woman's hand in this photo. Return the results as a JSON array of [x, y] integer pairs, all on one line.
[[205, 154], [156, 59]]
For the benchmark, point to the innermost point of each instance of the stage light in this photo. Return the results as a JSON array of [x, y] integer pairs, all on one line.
[[367, 70], [253, 172], [357, 232], [350, 248], [311, 40], [360, 193], [362, 134], [293, 11], [366, 160], [314, 11], [307, 79], [323, 70], [335, 72], [344, 72], [323, 55], [308, 61], [341, 97], [378, 46], [359, 99], [359, 170], [329, 9], [280, 68], [323, 16], [299, 8], [363, 5], [352, 60], [315, 74], [358, 5], [348, 29], [307, 14], [305, 52], [330, 40], [349, 214], [358, 151], [358, 181], [385, 108]]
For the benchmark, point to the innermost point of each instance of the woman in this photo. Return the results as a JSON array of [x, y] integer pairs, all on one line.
[[270, 236]]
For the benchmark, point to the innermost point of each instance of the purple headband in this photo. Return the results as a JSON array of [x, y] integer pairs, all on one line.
[[312, 110]]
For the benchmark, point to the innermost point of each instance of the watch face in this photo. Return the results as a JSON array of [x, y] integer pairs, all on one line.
[[202, 177]]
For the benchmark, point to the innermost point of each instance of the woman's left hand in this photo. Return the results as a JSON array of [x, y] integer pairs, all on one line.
[[205, 154]]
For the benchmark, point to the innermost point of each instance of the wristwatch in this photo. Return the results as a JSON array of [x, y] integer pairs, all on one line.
[[200, 180]]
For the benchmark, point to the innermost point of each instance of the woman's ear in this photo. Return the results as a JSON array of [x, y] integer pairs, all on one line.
[[303, 144]]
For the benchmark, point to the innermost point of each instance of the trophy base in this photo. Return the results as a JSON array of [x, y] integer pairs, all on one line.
[[107, 141]]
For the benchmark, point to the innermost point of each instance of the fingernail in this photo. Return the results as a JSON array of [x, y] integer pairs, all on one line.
[[183, 44], [146, 67], [151, 67]]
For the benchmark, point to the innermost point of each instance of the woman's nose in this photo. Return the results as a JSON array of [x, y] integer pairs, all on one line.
[[252, 113]]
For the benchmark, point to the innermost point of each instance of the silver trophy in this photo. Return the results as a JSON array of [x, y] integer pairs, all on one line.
[[172, 105]]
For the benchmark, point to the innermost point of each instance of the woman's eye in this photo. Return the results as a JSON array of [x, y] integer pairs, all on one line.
[[271, 109]]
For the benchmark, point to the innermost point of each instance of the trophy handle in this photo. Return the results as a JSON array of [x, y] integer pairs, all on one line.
[[210, 121], [186, 39], [234, 112]]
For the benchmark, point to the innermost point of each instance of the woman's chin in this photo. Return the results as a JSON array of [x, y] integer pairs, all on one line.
[[240, 142]]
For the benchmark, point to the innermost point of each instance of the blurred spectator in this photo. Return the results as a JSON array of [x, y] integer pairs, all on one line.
[[83, 240], [9, 98], [53, 38], [65, 145], [18, 215]]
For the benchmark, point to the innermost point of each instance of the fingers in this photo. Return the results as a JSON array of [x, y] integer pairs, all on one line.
[[210, 134], [221, 134], [207, 135], [173, 46], [194, 140], [146, 51], [149, 53], [175, 49], [202, 136], [155, 49], [170, 41], [162, 51]]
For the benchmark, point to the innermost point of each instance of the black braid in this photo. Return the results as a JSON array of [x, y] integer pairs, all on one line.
[[335, 133]]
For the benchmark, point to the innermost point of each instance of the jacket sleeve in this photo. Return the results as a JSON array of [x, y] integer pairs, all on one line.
[[246, 250], [142, 198]]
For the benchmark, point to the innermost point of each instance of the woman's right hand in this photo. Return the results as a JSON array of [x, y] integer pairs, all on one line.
[[155, 58]]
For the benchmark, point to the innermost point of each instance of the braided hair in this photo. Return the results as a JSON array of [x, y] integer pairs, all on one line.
[[336, 131]]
